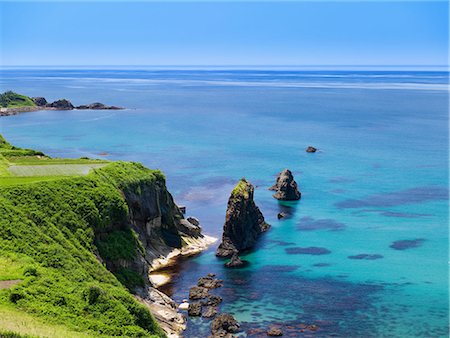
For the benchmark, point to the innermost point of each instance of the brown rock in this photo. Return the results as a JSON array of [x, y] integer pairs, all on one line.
[[224, 324], [198, 292], [210, 312], [286, 187], [274, 332], [235, 262], [244, 221], [195, 309]]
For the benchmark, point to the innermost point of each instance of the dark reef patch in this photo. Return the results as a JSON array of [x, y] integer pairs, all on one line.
[[333, 305], [389, 213], [340, 179], [308, 224], [321, 265], [369, 257], [402, 197], [278, 268], [312, 250], [218, 181], [407, 244]]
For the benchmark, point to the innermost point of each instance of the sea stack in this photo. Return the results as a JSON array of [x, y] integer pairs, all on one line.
[[286, 187], [244, 222]]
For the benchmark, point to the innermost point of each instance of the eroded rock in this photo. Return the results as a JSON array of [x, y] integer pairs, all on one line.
[[209, 282], [285, 187], [39, 101], [198, 292], [235, 262], [224, 325], [62, 104], [195, 309], [209, 312], [244, 222], [274, 332]]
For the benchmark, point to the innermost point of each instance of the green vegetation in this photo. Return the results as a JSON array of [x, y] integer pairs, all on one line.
[[241, 188], [23, 166], [50, 232], [10, 99]]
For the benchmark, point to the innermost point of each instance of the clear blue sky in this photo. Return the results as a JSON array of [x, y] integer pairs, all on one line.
[[224, 33]]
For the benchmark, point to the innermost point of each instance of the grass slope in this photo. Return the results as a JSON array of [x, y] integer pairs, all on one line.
[[10, 99], [47, 240]]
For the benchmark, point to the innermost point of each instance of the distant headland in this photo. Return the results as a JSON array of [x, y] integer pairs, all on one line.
[[12, 103]]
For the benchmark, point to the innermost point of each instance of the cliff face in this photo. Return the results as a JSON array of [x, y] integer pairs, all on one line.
[[244, 221], [160, 232]]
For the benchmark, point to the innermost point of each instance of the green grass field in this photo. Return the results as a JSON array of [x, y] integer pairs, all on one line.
[[16, 168], [52, 169]]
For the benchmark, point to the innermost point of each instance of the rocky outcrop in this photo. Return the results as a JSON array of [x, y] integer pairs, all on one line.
[[209, 312], [235, 262], [209, 282], [198, 292], [98, 106], [286, 187], [311, 149], [224, 325], [62, 104], [39, 101], [274, 332], [165, 311], [195, 309], [244, 222]]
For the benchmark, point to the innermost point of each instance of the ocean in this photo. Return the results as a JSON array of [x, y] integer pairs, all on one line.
[[364, 253]]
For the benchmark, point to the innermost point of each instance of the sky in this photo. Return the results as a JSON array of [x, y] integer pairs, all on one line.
[[224, 33]]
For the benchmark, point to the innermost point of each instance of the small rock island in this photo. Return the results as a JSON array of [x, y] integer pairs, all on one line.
[[244, 222], [286, 188]]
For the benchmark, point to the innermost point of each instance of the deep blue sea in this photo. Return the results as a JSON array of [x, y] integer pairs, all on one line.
[[364, 253]]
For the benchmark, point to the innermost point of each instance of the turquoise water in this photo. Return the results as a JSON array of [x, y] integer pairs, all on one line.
[[374, 198]]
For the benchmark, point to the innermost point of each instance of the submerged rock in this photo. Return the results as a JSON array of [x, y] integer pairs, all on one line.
[[244, 222], [311, 149], [235, 262], [210, 312], [286, 187], [209, 282], [274, 332], [212, 300], [223, 325], [62, 104], [39, 101]]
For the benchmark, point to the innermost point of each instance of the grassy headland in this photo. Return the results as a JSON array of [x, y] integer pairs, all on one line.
[[49, 249], [10, 99]]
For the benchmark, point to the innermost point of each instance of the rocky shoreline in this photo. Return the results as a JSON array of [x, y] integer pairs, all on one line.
[[61, 104]]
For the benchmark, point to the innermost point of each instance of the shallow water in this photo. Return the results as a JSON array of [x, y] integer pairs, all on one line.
[[365, 251]]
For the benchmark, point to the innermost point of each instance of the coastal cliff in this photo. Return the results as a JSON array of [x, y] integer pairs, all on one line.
[[80, 247], [244, 222]]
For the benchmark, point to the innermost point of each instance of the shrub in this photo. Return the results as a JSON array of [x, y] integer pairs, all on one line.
[[30, 270], [93, 294]]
